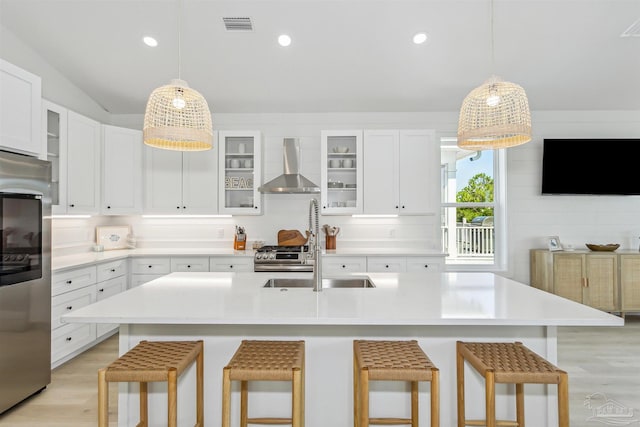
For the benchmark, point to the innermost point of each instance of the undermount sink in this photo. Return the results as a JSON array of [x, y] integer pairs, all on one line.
[[351, 282]]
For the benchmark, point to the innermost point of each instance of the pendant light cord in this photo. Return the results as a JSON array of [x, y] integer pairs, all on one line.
[[179, 38], [493, 65]]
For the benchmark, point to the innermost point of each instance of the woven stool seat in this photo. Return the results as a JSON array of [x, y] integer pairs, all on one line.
[[392, 361], [152, 361], [511, 363], [256, 360]]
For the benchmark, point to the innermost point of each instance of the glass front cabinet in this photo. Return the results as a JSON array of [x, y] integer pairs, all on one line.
[[241, 172], [341, 187]]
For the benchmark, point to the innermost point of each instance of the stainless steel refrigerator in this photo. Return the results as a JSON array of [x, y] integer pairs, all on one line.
[[25, 277]]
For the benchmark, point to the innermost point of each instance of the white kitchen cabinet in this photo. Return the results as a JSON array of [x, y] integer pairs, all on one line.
[[145, 269], [401, 172], [341, 172], [231, 263], [386, 264], [104, 290], [83, 164], [20, 109], [422, 263], [54, 127], [121, 171], [180, 183], [190, 263], [240, 166], [344, 264]]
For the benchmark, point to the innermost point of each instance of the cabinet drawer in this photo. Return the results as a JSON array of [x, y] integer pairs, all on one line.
[[238, 263], [190, 264], [139, 279], [333, 265], [151, 266], [112, 269], [386, 264], [415, 264], [72, 279], [69, 338], [111, 287], [67, 302]]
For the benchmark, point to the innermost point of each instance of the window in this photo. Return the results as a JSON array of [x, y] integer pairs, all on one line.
[[473, 220]]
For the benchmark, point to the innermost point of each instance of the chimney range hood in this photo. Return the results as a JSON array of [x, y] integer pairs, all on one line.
[[291, 181]]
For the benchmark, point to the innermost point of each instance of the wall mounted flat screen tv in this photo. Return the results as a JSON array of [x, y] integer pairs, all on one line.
[[591, 166]]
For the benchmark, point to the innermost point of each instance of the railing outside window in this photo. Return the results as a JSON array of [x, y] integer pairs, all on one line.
[[471, 241]]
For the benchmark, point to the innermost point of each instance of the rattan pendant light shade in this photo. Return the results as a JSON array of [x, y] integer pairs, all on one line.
[[177, 118], [494, 115]]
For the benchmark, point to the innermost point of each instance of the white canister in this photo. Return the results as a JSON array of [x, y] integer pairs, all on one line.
[[241, 147], [347, 163], [235, 163], [334, 163], [248, 163]]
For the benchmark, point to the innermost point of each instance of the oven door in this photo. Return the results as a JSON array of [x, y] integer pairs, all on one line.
[[20, 238]]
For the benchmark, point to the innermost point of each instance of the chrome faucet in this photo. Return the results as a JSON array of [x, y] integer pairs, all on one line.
[[314, 229]]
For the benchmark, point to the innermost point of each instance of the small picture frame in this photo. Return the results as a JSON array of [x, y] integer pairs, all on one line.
[[554, 243]]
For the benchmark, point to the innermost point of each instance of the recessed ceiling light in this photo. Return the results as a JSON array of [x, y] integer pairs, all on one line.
[[150, 41], [420, 38], [284, 40]]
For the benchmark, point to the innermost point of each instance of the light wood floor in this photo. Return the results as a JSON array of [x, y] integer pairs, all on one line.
[[601, 360]]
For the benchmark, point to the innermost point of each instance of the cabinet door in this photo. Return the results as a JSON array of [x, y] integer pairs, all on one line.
[[190, 264], [602, 277], [429, 264], [105, 290], [419, 172], [121, 171], [630, 282], [341, 172], [83, 164], [240, 168], [380, 171], [199, 182], [386, 264], [237, 263], [54, 130], [568, 276], [337, 265], [163, 181], [20, 105]]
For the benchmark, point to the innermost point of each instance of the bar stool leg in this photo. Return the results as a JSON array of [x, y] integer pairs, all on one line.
[[172, 397], [244, 403], [563, 400], [144, 411], [226, 397], [356, 390], [414, 404], [364, 398], [103, 399], [490, 390], [520, 404], [200, 389], [435, 398], [460, 381], [296, 402]]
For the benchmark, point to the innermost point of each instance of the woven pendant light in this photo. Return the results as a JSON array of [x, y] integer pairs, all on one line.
[[494, 115], [178, 117]]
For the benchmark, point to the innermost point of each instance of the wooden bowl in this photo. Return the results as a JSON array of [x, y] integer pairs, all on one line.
[[603, 248]]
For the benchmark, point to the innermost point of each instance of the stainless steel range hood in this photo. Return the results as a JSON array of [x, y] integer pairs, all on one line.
[[291, 181]]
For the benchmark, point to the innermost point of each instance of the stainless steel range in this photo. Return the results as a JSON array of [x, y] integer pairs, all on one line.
[[283, 258]]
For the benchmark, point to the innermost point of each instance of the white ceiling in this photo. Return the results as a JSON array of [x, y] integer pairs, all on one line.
[[346, 55]]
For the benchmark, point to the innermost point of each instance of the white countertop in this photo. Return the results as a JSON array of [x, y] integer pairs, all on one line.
[[87, 258], [397, 299]]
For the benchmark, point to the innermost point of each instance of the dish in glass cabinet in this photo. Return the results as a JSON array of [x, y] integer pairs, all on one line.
[[603, 248]]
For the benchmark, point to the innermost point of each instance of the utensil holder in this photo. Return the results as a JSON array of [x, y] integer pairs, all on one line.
[[330, 242], [240, 242]]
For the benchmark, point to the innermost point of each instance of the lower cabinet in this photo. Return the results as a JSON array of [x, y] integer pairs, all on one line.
[[380, 263], [591, 278], [75, 288], [145, 269], [231, 263]]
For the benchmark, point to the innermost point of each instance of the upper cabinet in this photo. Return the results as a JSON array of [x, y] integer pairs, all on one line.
[[401, 172], [73, 147], [121, 171], [180, 183], [341, 172], [240, 167], [20, 105]]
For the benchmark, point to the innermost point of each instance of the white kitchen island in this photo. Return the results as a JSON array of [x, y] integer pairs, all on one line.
[[435, 308]]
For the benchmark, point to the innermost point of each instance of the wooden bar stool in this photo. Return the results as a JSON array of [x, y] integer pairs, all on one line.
[[511, 363], [392, 361], [265, 361], [151, 361]]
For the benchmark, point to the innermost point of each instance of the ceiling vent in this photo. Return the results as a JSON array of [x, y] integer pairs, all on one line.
[[238, 24], [633, 30]]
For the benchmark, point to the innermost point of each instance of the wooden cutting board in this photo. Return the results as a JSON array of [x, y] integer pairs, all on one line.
[[291, 238]]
